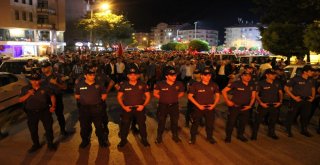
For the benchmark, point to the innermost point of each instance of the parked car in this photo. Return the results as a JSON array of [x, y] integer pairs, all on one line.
[[293, 70], [16, 65], [10, 87]]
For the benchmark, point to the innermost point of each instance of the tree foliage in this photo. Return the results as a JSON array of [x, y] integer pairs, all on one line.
[[199, 45], [169, 46], [312, 37], [285, 39], [181, 47], [108, 27]]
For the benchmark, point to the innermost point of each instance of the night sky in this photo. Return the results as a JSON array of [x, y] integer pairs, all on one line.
[[209, 13]]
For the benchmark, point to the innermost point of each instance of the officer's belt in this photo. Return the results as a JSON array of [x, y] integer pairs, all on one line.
[[91, 106], [169, 105]]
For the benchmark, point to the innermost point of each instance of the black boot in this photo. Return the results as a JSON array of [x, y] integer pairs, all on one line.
[[34, 148]]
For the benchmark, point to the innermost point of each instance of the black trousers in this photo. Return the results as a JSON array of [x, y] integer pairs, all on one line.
[[237, 116], [261, 113], [196, 117], [105, 118], [188, 112], [163, 111], [126, 119], [88, 115], [33, 121], [302, 108], [59, 113], [315, 104]]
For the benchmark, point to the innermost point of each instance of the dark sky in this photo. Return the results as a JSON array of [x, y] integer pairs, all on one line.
[[211, 13]]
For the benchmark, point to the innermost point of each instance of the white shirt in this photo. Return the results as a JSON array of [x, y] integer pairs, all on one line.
[[120, 67], [221, 70]]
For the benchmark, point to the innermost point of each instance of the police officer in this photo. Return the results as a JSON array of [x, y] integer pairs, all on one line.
[[301, 90], [243, 98], [205, 96], [168, 92], [269, 96], [133, 96], [54, 82], [108, 83], [91, 95], [37, 99]]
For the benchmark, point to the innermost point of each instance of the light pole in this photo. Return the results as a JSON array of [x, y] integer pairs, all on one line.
[[145, 39], [103, 6], [195, 30], [169, 36], [177, 34]]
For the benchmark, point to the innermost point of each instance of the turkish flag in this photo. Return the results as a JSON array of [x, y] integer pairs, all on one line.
[[120, 50]]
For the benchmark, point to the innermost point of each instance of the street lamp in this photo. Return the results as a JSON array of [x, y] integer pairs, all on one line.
[[104, 7], [169, 36], [195, 30], [145, 39]]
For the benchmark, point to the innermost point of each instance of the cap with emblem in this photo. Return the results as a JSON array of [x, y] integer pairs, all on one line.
[[245, 73], [170, 71], [45, 64], [133, 70], [270, 71], [206, 71], [35, 76]]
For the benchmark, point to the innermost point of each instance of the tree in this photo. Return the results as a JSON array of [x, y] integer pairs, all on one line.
[[181, 47], [199, 45], [285, 39], [169, 46], [312, 37], [108, 27], [286, 13]]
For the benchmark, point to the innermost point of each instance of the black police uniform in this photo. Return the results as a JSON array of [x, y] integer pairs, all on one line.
[[204, 95], [59, 98], [133, 95], [303, 88], [268, 94], [241, 97], [37, 109], [168, 104], [103, 80], [91, 111]]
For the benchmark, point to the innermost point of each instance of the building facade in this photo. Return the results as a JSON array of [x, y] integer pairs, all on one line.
[[247, 36], [205, 34], [32, 27]]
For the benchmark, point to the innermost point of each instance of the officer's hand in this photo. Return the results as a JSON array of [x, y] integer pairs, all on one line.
[[264, 105], [140, 108], [201, 107], [276, 105], [230, 103], [31, 92], [53, 81], [297, 98], [212, 106], [311, 99], [245, 108], [52, 109], [127, 108]]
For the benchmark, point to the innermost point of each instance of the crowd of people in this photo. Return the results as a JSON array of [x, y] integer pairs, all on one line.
[[257, 94]]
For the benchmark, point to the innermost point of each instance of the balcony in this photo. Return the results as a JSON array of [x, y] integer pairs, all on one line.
[[44, 10], [46, 26]]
